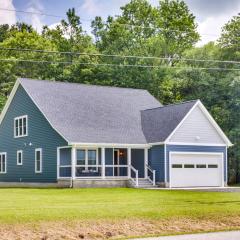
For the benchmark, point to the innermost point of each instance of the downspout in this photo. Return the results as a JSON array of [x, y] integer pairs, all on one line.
[[71, 183]]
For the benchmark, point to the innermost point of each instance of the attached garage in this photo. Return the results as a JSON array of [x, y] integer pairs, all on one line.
[[196, 169]]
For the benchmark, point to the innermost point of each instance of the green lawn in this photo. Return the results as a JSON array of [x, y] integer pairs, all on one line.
[[31, 205]]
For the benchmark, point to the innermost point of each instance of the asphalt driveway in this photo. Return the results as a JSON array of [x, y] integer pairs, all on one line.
[[232, 235]]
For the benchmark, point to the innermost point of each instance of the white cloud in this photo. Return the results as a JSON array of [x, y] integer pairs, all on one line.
[[35, 19], [91, 7], [7, 16], [210, 29]]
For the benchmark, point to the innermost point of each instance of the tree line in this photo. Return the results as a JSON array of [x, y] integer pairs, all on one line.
[[111, 55]]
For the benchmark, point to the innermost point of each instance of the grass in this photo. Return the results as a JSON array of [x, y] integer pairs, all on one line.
[[32, 206], [27, 205]]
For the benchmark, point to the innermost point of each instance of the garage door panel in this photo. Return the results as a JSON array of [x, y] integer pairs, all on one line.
[[208, 173]]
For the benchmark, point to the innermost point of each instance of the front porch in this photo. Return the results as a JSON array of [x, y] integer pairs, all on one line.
[[104, 166]]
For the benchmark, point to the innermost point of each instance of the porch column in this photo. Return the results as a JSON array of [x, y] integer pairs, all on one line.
[[73, 153], [129, 161], [58, 162], [145, 162], [103, 161]]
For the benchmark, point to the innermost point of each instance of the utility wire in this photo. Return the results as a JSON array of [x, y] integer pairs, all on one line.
[[90, 20], [117, 55], [119, 65]]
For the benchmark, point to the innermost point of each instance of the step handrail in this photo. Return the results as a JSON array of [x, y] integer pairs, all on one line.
[[153, 181], [136, 175]]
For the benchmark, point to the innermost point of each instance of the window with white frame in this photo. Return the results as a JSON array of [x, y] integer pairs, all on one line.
[[21, 126], [3, 162], [19, 157], [87, 158], [38, 160]]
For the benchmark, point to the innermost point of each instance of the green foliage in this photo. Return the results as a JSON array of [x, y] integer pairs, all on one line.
[[167, 30]]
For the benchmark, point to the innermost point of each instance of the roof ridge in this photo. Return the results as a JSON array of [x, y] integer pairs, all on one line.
[[172, 104], [82, 84]]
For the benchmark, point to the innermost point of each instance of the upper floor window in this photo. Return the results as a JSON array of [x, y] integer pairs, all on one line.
[[21, 126], [3, 162]]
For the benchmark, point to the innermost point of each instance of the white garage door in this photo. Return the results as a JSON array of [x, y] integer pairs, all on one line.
[[196, 169]]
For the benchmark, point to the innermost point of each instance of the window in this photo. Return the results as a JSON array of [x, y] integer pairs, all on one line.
[[188, 165], [92, 159], [176, 165], [87, 158], [201, 165], [19, 157], [38, 160], [20, 126], [3, 162], [81, 157], [212, 166]]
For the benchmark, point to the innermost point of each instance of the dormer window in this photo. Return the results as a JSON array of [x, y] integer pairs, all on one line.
[[21, 126]]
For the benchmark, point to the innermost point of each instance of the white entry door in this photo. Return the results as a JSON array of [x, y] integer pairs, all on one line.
[[196, 169]]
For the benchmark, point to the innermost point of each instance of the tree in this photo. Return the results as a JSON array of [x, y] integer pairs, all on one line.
[[230, 39]]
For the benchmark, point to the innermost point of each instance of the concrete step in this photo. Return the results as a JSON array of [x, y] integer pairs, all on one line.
[[142, 183]]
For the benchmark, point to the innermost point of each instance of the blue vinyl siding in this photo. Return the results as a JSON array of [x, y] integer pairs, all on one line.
[[156, 161], [40, 135], [184, 148]]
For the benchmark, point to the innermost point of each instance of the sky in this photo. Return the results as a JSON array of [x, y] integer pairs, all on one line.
[[211, 15]]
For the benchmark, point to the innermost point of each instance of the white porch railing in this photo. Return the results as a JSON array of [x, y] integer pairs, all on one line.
[[153, 180], [134, 180]]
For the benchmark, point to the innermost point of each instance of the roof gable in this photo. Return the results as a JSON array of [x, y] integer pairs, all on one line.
[[197, 128], [159, 123]]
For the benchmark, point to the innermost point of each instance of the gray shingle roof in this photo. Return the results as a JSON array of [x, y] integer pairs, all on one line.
[[158, 123], [92, 114]]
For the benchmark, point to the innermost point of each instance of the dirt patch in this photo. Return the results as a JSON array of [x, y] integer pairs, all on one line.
[[110, 229]]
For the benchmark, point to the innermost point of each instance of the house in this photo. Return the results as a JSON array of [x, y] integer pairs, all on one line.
[[84, 135]]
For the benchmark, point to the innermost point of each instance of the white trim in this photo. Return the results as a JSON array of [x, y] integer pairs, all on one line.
[[110, 145], [17, 119], [145, 162], [197, 144], [74, 161], [226, 152], [129, 160], [156, 143], [103, 161], [5, 170], [18, 163], [195, 153], [9, 100], [58, 162], [40, 150], [209, 117], [165, 163]]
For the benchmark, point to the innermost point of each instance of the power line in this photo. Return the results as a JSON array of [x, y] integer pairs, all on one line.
[[118, 56], [119, 65], [90, 20]]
